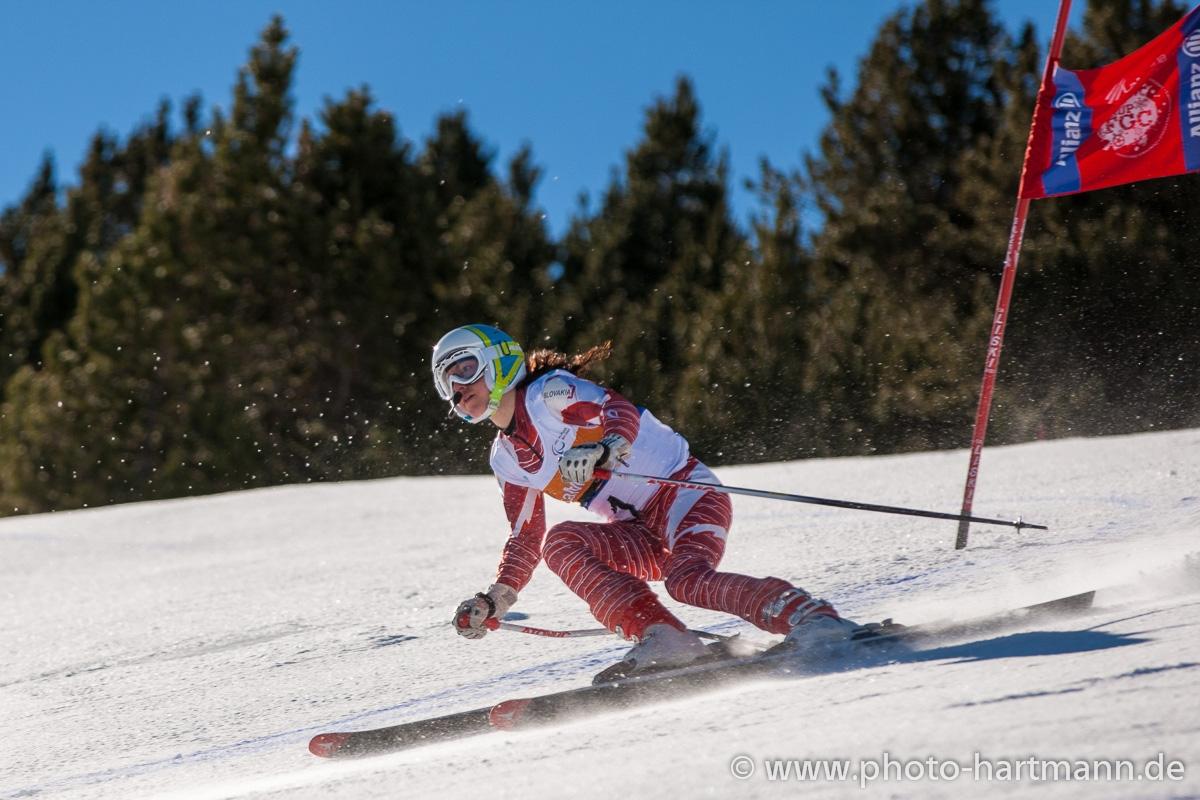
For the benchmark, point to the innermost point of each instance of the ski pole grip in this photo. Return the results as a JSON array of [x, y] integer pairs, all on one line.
[[602, 474], [491, 623]]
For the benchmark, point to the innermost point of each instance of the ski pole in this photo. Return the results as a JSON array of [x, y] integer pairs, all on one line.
[[494, 624], [1018, 523]]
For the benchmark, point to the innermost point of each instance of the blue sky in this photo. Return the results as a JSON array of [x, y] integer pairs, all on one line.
[[573, 79]]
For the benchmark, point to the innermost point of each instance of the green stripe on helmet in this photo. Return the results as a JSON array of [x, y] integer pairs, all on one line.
[[480, 334]]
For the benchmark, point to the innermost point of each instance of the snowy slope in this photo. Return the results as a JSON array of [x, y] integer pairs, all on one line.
[[190, 648]]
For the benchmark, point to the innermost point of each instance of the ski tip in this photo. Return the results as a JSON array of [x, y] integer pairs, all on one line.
[[326, 745], [507, 715]]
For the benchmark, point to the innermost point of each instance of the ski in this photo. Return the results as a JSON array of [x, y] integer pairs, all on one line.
[[1061, 606], [668, 684]]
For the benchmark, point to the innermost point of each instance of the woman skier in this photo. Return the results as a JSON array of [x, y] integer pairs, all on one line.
[[556, 430]]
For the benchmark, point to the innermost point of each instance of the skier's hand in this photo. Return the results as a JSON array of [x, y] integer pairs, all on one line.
[[470, 616], [578, 463], [474, 611]]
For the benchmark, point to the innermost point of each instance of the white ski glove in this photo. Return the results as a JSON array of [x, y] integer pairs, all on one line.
[[578, 463], [473, 612]]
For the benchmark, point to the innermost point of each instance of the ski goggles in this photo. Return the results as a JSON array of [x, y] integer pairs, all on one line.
[[462, 367]]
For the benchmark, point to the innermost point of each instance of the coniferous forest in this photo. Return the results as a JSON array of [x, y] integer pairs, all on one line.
[[233, 297]]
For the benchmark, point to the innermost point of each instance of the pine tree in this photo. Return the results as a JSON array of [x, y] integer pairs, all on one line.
[[23, 229], [158, 376], [642, 268], [755, 350], [248, 317], [901, 291]]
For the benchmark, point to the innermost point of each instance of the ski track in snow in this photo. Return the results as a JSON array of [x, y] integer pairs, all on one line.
[[190, 648]]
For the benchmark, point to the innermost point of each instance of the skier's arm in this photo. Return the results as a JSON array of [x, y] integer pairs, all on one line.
[[621, 417], [592, 406], [526, 512]]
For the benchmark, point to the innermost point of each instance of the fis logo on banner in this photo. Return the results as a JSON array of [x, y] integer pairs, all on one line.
[[1117, 92]]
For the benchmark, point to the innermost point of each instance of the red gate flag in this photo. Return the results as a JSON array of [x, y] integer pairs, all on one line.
[[1134, 119]]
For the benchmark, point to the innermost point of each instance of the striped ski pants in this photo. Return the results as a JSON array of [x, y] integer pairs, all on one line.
[[678, 538]]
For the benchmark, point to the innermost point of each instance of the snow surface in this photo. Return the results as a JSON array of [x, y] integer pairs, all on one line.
[[190, 648]]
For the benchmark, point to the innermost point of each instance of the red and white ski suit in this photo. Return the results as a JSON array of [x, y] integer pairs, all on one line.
[[651, 532]]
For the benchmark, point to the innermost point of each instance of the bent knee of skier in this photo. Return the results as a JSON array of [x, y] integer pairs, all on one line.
[[692, 564], [683, 582]]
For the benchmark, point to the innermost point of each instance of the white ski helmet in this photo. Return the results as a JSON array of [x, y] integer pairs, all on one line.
[[466, 353]]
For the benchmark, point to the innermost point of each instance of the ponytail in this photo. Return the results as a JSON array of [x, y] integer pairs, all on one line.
[[539, 362]]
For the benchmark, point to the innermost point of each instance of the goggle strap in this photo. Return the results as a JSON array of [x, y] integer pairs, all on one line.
[[502, 381]]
